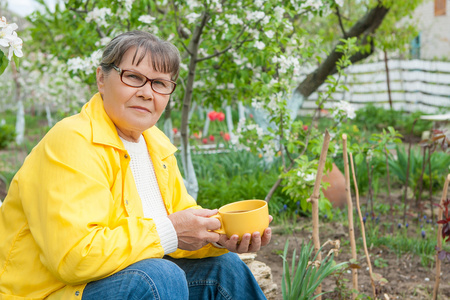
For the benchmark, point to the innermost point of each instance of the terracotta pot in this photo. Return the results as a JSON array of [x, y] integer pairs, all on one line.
[[336, 190]]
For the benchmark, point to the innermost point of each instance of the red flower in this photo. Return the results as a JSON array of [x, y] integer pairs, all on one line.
[[175, 130], [220, 116], [226, 137], [211, 138], [305, 127], [205, 141], [196, 135], [212, 115], [445, 222], [251, 116]]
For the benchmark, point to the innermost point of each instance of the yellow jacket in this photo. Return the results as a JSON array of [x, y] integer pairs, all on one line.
[[73, 213]]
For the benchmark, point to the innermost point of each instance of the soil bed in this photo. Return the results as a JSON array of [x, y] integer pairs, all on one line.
[[407, 277]]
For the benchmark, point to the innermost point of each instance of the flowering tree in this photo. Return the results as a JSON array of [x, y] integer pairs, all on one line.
[[10, 43], [238, 50], [11, 46]]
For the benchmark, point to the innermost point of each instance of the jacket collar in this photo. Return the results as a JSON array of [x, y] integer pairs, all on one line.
[[104, 131]]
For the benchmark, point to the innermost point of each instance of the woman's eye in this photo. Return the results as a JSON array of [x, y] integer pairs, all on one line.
[[134, 76], [160, 83]]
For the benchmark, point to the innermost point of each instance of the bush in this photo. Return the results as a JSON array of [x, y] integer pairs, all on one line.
[[234, 176], [7, 135], [373, 119]]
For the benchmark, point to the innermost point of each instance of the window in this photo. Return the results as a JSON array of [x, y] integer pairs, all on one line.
[[440, 7], [415, 48]]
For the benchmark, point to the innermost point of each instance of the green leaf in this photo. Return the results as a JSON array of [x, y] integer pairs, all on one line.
[[16, 61], [3, 62]]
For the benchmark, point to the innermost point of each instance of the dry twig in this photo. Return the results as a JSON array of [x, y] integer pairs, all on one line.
[[363, 232], [351, 230], [315, 201]]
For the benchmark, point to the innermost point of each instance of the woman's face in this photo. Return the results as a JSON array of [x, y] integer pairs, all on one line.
[[132, 110]]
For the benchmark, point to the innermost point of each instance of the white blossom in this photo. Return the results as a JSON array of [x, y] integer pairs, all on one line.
[[127, 4], [103, 41], [340, 2], [369, 155], [314, 4], [270, 33], [98, 15], [259, 3], [15, 47], [255, 15], [307, 177], [183, 66], [286, 63], [193, 4], [268, 152], [9, 39], [279, 12], [233, 19], [344, 109], [3, 22], [147, 19], [87, 64], [275, 99], [257, 104], [260, 45], [192, 17]]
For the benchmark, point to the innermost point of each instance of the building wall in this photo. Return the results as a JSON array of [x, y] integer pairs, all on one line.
[[434, 31]]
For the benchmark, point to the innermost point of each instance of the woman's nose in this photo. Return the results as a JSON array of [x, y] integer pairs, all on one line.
[[146, 91]]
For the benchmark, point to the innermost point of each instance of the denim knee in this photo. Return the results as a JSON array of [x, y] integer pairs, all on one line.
[[146, 279]]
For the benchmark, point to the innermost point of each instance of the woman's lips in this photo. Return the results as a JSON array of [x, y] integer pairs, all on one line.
[[141, 108]]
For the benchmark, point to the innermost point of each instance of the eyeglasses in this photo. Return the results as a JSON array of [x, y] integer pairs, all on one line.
[[137, 80]]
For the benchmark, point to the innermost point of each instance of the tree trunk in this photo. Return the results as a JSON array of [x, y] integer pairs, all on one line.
[[366, 26], [20, 119], [388, 81], [186, 158]]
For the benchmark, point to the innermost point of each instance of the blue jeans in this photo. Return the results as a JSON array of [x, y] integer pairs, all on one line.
[[222, 277]]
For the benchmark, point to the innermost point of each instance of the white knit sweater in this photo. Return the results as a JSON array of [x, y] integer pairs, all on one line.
[[147, 186]]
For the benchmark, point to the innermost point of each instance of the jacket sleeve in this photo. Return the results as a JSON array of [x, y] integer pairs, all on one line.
[[182, 200], [65, 188]]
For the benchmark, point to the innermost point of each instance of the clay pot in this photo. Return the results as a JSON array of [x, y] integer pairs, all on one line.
[[336, 190]]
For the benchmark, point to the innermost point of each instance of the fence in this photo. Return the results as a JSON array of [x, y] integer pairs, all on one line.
[[416, 85]]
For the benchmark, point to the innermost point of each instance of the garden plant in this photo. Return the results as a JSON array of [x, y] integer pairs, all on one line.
[[247, 66]]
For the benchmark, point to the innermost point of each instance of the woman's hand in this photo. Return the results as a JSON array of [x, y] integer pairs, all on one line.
[[193, 228], [244, 246]]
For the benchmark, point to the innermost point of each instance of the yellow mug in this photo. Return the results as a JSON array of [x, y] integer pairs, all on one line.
[[246, 216]]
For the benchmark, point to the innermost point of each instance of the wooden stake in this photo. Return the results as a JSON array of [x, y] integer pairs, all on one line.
[[363, 231], [315, 202], [439, 238], [351, 231]]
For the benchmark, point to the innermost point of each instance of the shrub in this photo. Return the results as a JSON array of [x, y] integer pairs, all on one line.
[[7, 135], [234, 176]]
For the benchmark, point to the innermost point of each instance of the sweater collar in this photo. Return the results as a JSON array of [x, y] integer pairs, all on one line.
[[104, 131]]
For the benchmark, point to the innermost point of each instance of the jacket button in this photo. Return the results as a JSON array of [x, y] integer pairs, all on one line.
[[77, 293], [164, 166], [126, 156], [126, 202]]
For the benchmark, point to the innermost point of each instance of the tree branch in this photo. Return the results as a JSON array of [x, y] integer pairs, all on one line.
[[340, 22], [366, 26]]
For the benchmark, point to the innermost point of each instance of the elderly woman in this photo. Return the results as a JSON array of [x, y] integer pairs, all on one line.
[[99, 209]]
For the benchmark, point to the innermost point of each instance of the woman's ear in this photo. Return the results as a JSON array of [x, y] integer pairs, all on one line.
[[100, 80]]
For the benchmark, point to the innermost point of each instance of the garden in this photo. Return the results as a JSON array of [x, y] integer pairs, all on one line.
[[358, 195]]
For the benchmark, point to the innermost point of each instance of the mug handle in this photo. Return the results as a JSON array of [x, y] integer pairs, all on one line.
[[220, 230]]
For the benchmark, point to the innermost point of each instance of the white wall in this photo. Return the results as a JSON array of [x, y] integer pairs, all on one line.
[[435, 31]]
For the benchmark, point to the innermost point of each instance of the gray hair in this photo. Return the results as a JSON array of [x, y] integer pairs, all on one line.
[[165, 57]]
